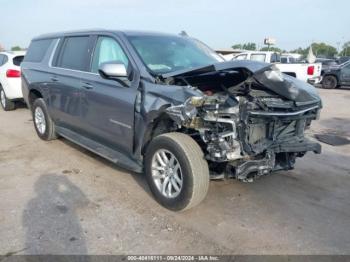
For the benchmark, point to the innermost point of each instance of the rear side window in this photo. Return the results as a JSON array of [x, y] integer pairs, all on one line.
[[17, 60], [241, 57], [258, 57], [3, 59], [37, 50], [74, 53], [276, 58]]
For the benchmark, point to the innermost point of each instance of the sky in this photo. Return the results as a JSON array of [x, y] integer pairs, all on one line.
[[220, 23]]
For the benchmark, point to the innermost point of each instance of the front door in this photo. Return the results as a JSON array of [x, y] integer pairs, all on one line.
[[108, 105], [345, 74]]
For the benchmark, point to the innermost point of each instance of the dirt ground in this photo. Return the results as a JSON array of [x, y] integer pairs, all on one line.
[[57, 198]]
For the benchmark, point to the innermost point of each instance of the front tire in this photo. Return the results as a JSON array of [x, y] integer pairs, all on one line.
[[176, 171], [329, 82], [6, 104], [44, 126]]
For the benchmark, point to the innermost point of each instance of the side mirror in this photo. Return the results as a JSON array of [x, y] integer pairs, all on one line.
[[112, 70]]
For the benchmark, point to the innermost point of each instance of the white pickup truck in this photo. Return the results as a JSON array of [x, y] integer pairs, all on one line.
[[310, 73]]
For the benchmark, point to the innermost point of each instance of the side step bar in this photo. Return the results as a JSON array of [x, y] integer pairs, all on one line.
[[101, 150]]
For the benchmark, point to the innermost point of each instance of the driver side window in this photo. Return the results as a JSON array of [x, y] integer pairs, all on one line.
[[108, 50]]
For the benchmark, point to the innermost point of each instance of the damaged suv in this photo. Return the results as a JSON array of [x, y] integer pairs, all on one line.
[[168, 106]]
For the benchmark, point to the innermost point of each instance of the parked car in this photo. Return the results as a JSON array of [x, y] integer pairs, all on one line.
[[326, 64], [168, 106], [10, 79], [310, 73], [343, 59], [336, 76]]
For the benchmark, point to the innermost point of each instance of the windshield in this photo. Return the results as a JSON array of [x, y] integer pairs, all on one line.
[[165, 54]]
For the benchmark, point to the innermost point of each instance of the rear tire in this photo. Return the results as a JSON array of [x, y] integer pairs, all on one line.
[[174, 161], [6, 104], [329, 82], [44, 126]]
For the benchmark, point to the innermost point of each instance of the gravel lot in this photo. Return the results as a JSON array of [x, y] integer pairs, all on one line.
[[58, 198]]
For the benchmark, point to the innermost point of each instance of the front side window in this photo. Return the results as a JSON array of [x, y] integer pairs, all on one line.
[[346, 68], [74, 54], [258, 57], [108, 50]]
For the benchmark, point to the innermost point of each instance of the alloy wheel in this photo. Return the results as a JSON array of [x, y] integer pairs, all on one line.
[[40, 121], [167, 173], [3, 98]]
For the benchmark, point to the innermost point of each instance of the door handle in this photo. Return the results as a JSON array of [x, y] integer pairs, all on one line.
[[87, 85], [54, 79]]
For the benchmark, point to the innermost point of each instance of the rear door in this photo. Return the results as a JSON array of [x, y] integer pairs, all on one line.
[[108, 105], [71, 64]]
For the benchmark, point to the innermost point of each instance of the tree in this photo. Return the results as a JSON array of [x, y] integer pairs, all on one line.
[[272, 48], [245, 46], [237, 46], [299, 50], [249, 46], [346, 49], [323, 50], [16, 48]]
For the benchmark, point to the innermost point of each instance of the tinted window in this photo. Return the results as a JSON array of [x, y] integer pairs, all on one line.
[[6, 59], [1, 59], [37, 50], [275, 58], [108, 50], [17, 60], [74, 54], [284, 60]]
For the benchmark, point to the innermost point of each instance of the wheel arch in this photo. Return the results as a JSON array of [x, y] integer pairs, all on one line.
[[159, 125], [33, 95], [331, 74]]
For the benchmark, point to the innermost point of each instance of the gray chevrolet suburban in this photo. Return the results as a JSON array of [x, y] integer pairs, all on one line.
[[168, 106]]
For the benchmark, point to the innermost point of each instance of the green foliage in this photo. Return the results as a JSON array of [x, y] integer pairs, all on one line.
[[319, 50], [246, 46], [16, 48], [249, 46], [323, 50], [299, 50], [237, 46], [346, 49], [272, 48]]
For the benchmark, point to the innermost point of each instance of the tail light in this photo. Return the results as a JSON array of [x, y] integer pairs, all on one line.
[[310, 70], [13, 73]]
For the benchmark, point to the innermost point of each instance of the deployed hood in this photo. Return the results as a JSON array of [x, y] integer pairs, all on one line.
[[265, 74]]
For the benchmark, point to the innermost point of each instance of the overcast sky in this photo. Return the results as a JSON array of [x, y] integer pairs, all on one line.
[[220, 24]]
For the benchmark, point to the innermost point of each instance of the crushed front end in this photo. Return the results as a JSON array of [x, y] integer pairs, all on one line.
[[250, 120]]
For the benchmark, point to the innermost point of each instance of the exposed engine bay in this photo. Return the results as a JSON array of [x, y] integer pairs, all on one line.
[[250, 120]]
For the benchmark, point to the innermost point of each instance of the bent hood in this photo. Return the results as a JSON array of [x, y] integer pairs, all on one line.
[[266, 74]]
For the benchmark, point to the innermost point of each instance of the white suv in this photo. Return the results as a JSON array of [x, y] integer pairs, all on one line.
[[10, 79]]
